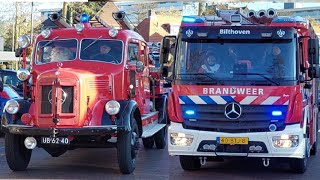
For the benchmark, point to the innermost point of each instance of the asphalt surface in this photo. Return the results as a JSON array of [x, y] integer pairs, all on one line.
[[152, 164]]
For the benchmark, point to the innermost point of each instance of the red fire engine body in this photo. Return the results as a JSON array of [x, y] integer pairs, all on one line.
[[243, 86], [90, 87]]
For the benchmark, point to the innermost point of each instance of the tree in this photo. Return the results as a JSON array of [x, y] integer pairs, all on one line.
[[140, 11]]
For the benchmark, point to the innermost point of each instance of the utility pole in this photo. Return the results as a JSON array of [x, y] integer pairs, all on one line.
[[64, 9], [15, 28], [31, 31]]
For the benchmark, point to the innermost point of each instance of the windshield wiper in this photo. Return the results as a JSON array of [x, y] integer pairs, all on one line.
[[50, 42], [92, 43], [261, 75], [199, 74]]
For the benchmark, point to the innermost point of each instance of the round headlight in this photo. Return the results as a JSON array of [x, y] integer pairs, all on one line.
[[113, 32], [24, 41], [112, 107], [23, 74], [12, 106], [45, 33], [79, 27]]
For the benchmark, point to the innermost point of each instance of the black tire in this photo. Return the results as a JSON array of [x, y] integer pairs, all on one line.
[[190, 163], [160, 138], [300, 165], [314, 148], [148, 142], [127, 147], [17, 155]]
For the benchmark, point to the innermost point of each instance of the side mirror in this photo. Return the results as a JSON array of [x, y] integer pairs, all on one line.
[[18, 52], [313, 55], [314, 72], [139, 66], [167, 47]]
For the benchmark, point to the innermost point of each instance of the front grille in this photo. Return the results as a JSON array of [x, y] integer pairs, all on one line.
[[67, 99], [46, 100], [254, 118], [232, 148]]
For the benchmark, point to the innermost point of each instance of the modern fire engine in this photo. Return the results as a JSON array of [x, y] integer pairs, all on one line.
[[90, 87], [243, 86]]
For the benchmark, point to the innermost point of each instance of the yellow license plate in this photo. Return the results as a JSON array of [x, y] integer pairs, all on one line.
[[232, 140]]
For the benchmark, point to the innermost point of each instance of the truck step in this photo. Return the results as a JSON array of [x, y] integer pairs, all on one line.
[[152, 131]]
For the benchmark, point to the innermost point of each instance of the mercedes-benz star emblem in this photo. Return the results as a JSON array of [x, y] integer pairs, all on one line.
[[63, 99], [233, 110]]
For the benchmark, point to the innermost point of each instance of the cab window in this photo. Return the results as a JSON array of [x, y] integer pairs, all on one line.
[[133, 53]]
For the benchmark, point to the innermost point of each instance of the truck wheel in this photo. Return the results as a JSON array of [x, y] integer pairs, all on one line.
[[190, 163], [17, 155], [160, 138], [314, 148], [148, 142], [128, 146], [300, 165]]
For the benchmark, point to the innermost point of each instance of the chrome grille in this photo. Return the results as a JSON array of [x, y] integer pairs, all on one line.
[[67, 99], [254, 118], [46, 98]]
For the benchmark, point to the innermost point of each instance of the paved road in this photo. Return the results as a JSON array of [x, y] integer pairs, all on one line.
[[152, 164]]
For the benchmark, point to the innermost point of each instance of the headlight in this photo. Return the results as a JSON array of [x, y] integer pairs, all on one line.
[[285, 141], [12, 106], [23, 74], [112, 107], [113, 32], [79, 27], [45, 33], [24, 41], [181, 139]]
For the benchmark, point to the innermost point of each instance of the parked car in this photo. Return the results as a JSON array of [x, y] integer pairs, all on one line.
[[10, 78], [5, 95]]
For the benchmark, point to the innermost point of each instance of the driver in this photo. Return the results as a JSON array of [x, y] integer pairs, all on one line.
[[210, 65], [104, 53]]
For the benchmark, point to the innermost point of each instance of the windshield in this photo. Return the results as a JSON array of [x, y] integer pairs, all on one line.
[[10, 92], [101, 50], [10, 78], [237, 60], [56, 51]]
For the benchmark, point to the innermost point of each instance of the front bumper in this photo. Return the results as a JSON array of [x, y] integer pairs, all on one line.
[[261, 137], [36, 131]]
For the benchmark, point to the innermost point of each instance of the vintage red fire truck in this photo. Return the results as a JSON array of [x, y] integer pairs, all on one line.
[[243, 86], [90, 87]]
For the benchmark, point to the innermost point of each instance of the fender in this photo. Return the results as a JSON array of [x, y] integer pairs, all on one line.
[[162, 106], [128, 108]]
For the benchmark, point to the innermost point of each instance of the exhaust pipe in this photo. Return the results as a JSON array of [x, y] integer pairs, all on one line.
[[262, 13], [251, 13], [56, 19], [271, 13]]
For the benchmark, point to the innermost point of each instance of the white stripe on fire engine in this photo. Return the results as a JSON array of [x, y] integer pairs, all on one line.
[[180, 101], [286, 103], [270, 100], [218, 99], [197, 100], [248, 100]]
